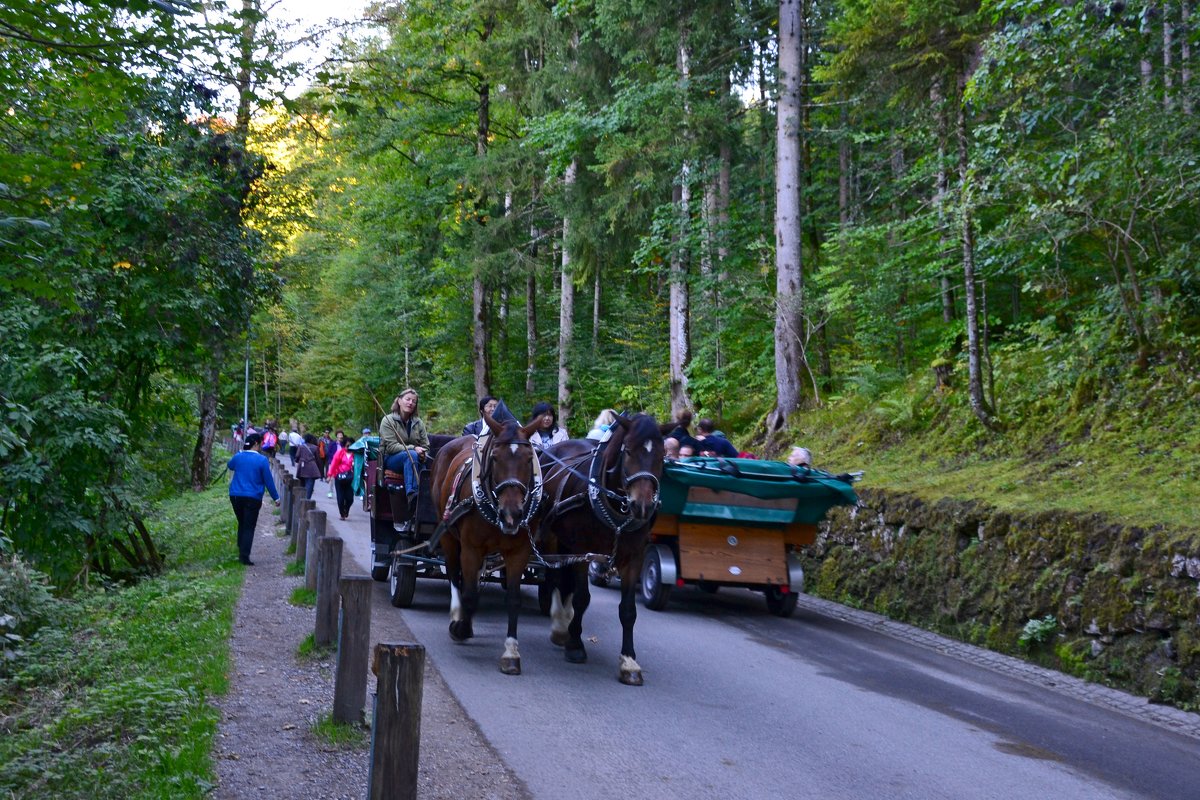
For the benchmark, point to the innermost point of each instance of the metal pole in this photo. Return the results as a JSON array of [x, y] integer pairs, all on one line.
[[246, 392]]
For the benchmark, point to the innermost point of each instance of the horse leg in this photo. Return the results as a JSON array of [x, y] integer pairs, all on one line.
[[514, 565], [576, 652], [452, 553], [560, 606], [630, 672], [471, 562]]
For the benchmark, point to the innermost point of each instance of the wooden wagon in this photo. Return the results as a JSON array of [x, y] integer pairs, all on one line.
[[737, 522]]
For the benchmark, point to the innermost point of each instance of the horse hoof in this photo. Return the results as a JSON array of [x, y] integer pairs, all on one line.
[[510, 666], [577, 655], [460, 631], [630, 678], [558, 638]]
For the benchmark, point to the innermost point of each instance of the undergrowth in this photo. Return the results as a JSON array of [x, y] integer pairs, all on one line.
[[110, 699], [1107, 439]]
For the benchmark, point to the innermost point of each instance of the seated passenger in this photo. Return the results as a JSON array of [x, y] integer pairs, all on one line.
[[487, 404], [712, 441], [403, 441], [601, 426], [800, 457], [670, 449], [548, 432]]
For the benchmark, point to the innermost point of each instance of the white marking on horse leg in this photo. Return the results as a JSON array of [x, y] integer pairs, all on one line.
[[561, 613], [510, 649], [629, 666], [455, 604]]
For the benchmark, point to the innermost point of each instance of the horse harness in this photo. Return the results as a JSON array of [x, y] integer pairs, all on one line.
[[484, 495], [610, 506]]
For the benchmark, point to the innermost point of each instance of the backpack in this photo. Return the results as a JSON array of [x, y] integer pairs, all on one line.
[[320, 448], [268, 439]]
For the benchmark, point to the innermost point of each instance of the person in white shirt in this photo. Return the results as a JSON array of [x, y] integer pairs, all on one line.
[[548, 432]]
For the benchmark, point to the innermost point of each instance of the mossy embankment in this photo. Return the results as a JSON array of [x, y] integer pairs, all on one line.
[[1071, 537]]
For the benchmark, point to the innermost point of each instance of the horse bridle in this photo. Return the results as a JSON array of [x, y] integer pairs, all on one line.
[[487, 495], [597, 492]]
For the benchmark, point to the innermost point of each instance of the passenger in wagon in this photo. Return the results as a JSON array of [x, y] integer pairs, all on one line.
[[601, 426], [548, 431], [487, 404], [403, 441], [800, 457], [670, 449]]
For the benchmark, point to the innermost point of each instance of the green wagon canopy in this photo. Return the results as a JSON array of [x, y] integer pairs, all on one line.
[[707, 488]]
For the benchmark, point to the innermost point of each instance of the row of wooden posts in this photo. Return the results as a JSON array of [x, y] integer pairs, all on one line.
[[343, 617]]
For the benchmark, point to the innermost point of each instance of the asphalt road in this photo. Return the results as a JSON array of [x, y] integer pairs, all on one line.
[[741, 704]]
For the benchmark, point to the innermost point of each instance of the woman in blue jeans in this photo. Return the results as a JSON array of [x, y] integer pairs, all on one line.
[[251, 477], [404, 441]]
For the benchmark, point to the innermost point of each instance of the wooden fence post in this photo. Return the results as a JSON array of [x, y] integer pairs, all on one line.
[[316, 533], [300, 530], [329, 572], [297, 513], [396, 722], [306, 546], [354, 645]]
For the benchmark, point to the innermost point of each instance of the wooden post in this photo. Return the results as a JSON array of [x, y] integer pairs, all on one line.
[[300, 532], [306, 548], [354, 645], [296, 515], [329, 572], [396, 723], [285, 506]]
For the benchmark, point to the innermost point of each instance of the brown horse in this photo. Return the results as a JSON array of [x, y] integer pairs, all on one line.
[[601, 499], [487, 490]]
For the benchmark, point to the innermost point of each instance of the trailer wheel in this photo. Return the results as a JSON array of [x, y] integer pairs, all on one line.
[[780, 604], [654, 592], [402, 578]]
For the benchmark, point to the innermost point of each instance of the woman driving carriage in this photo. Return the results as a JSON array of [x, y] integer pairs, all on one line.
[[403, 441]]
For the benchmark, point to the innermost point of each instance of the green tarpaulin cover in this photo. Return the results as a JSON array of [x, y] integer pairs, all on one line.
[[815, 491]]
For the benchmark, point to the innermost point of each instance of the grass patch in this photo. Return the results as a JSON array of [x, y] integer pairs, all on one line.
[[1131, 452], [340, 735], [308, 649], [112, 699], [303, 596], [294, 568]]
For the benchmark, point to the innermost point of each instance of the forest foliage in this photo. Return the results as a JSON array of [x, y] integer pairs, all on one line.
[[999, 231]]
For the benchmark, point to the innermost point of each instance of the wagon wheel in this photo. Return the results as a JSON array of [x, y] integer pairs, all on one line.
[[402, 578], [654, 592], [545, 596], [780, 604]]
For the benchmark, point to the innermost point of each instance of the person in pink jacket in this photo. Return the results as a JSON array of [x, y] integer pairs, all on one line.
[[341, 473]]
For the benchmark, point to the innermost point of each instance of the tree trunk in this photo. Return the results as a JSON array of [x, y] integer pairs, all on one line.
[[789, 275], [530, 331], [596, 312], [941, 196], [680, 298], [844, 170], [978, 401], [1168, 46], [566, 312], [1185, 55], [479, 337], [202, 453]]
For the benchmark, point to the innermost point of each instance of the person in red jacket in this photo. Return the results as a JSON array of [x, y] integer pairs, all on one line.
[[341, 473]]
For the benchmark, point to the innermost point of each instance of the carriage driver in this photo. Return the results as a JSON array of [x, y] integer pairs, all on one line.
[[403, 442]]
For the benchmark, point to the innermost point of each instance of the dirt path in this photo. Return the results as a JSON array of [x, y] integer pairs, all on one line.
[[265, 746]]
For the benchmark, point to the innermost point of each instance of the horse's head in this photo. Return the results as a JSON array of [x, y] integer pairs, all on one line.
[[636, 452], [509, 475]]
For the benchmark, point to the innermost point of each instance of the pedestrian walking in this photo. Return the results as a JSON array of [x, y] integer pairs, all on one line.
[[251, 477], [341, 472], [306, 464]]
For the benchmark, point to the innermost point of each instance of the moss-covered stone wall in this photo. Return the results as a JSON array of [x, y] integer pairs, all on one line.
[[1107, 602]]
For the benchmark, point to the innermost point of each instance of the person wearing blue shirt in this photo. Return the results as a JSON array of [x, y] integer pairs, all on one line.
[[251, 477]]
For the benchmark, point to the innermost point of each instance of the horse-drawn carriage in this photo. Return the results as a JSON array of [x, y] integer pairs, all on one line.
[[736, 522], [400, 533]]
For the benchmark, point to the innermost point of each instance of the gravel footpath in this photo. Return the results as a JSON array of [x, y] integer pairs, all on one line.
[[265, 747]]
